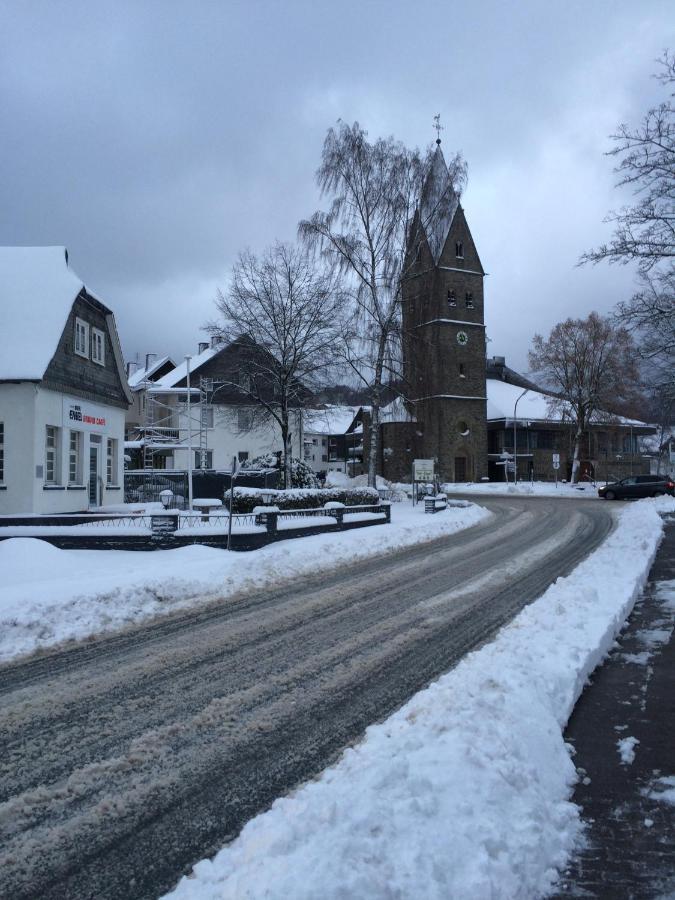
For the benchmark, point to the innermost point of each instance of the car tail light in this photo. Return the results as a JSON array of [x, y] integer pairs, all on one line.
[[670, 484]]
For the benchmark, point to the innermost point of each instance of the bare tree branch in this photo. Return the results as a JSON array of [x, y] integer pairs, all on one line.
[[590, 365], [288, 313], [366, 235]]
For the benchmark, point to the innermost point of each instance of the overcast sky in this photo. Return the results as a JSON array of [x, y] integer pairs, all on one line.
[[156, 140]]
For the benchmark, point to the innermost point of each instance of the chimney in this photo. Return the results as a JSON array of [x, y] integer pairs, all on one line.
[[131, 368], [215, 341], [202, 346], [150, 358]]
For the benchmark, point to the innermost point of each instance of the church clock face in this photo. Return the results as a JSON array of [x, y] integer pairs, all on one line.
[[462, 338]]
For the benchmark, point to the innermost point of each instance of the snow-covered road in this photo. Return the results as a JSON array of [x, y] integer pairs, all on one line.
[[125, 761]]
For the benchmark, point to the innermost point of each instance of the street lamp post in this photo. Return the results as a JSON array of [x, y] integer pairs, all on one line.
[[189, 423], [515, 443]]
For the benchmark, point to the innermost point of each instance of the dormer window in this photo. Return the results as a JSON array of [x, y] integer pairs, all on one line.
[[459, 249], [469, 300], [81, 338], [452, 299]]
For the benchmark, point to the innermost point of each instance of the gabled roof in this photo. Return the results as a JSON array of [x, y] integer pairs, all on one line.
[[137, 378], [330, 419], [37, 292], [172, 378], [396, 411], [534, 406], [438, 204]]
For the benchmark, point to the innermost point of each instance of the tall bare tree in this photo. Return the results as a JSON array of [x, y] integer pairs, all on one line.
[[288, 313], [645, 231], [374, 188], [591, 366]]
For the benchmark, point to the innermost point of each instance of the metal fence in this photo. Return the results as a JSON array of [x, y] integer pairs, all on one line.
[[145, 485]]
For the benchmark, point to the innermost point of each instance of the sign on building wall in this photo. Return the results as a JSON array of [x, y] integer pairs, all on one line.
[[423, 470], [83, 416]]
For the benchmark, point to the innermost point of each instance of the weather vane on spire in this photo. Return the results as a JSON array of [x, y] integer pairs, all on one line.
[[439, 128]]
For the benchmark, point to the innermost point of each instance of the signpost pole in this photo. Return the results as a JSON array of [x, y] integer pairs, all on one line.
[[556, 466], [229, 518]]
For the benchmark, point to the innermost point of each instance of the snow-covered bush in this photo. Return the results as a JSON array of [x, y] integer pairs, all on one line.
[[245, 498], [302, 475]]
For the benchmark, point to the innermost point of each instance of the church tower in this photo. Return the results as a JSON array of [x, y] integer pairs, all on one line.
[[444, 332]]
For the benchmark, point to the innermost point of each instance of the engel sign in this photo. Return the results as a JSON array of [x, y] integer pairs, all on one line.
[[82, 416], [423, 470]]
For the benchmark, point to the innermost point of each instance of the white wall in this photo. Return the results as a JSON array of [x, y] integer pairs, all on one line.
[[314, 453], [225, 440], [17, 413], [26, 410]]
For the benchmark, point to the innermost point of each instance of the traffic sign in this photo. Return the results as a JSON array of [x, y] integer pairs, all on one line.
[[423, 470], [556, 460]]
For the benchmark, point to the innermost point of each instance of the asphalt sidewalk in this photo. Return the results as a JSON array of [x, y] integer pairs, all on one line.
[[623, 731]]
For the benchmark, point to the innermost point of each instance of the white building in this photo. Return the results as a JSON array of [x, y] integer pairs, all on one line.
[[333, 439], [63, 391], [227, 421]]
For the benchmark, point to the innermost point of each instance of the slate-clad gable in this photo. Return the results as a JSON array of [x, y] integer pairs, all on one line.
[[72, 374]]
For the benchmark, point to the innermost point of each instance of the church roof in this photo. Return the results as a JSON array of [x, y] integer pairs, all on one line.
[[438, 204]]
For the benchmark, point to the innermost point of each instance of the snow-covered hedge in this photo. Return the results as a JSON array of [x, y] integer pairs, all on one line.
[[246, 498], [302, 475]]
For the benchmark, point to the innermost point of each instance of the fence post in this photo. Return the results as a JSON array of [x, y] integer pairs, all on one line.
[[339, 516], [387, 512], [271, 522]]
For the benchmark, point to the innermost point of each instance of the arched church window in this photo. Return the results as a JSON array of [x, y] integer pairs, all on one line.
[[459, 249], [452, 299], [469, 300]]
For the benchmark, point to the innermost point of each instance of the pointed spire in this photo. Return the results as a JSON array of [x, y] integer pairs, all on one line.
[[438, 203]]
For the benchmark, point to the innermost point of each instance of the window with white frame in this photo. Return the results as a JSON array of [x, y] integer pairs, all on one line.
[[81, 338], [111, 461], [208, 459], [51, 454], [97, 346], [75, 458], [2, 452]]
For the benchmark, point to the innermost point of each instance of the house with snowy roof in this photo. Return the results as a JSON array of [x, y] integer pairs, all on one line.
[[522, 415], [211, 408], [63, 390], [140, 378], [333, 439]]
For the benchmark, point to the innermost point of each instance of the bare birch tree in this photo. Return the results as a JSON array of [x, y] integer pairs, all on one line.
[[591, 366], [374, 190], [287, 312]]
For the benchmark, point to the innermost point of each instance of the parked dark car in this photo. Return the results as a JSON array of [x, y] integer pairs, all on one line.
[[638, 486]]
